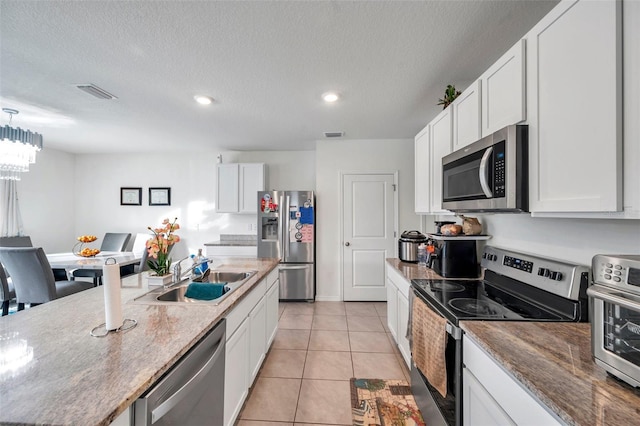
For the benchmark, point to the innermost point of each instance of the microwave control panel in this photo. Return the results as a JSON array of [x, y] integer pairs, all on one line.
[[499, 170]]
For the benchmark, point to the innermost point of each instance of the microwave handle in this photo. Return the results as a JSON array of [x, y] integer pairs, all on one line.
[[483, 172]]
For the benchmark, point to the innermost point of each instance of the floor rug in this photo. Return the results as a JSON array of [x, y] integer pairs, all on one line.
[[376, 402]]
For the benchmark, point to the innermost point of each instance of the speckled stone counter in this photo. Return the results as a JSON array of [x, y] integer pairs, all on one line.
[[77, 379], [412, 270], [553, 361]]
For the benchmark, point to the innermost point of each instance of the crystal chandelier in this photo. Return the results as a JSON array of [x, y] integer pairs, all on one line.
[[17, 148]]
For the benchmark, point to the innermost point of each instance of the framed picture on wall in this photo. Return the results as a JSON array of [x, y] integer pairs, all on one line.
[[159, 196], [130, 196]]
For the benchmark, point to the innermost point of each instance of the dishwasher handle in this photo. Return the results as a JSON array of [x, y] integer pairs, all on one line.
[[174, 399]]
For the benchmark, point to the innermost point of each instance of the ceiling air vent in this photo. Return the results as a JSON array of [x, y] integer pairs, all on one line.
[[333, 134], [95, 91]]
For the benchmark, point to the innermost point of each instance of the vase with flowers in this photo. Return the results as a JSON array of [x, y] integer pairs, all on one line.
[[158, 250]]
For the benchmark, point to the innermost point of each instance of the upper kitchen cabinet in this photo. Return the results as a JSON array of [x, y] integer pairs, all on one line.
[[421, 167], [466, 116], [440, 145], [503, 91], [574, 104], [238, 186]]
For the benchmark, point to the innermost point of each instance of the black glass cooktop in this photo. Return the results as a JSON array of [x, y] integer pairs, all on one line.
[[478, 300]]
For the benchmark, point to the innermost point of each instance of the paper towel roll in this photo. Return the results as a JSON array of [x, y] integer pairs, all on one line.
[[112, 298]]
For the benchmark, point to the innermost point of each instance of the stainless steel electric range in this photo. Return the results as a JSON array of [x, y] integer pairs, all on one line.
[[515, 287]]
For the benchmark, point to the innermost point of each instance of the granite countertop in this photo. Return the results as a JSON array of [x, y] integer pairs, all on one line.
[[78, 379], [553, 361], [227, 243], [412, 270]]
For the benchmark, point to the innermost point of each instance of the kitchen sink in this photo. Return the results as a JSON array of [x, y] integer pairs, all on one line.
[[176, 292]]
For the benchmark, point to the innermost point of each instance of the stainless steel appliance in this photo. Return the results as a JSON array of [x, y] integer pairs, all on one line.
[[408, 245], [515, 287], [488, 175], [192, 392], [286, 230], [615, 322]]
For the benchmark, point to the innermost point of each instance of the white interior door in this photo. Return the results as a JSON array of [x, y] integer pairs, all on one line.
[[369, 221]]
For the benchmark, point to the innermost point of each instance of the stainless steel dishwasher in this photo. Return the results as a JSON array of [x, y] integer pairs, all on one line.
[[192, 392]]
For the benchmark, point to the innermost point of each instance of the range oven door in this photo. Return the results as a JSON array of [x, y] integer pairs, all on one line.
[[615, 332], [436, 410]]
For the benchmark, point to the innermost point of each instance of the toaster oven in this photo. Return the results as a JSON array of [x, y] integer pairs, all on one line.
[[615, 324]]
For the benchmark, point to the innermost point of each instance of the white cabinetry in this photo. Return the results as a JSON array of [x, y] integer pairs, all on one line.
[[492, 396], [273, 302], [250, 331], [398, 289], [257, 338], [421, 167], [466, 116], [440, 146], [237, 187], [574, 97], [503, 91], [236, 373]]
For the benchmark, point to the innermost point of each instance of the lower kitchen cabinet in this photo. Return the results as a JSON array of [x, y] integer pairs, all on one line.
[[398, 289], [257, 338], [251, 328], [236, 374], [493, 397], [273, 303]]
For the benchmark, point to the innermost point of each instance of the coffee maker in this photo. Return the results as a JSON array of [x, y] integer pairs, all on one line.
[[453, 256]]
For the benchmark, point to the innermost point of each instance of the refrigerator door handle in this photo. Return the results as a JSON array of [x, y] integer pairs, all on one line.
[[289, 268], [281, 228], [287, 221]]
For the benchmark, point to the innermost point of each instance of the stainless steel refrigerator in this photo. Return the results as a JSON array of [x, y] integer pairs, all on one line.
[[286, 230]]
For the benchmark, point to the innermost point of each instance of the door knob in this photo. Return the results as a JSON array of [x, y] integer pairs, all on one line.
[[347, 244]]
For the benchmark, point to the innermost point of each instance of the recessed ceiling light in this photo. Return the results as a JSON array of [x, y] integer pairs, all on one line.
[[203, 100], [330, 97]]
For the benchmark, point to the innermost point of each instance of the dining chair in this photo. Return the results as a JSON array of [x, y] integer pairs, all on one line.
[[33, 278], [112, 242], [7, 291], [23, 241]]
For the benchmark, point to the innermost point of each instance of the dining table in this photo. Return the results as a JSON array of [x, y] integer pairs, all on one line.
[[70, 260]]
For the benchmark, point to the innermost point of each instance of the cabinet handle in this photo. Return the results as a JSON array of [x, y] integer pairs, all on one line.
[[347, 244]]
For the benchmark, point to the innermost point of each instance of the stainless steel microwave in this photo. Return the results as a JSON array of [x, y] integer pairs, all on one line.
[[488, 175]]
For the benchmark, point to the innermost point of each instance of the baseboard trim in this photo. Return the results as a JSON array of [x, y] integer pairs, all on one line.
[[328, 299]]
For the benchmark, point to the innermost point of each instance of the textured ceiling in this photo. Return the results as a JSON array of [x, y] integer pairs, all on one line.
[[265, 63]]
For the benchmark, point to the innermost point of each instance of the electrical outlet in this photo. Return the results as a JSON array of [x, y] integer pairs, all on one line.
[[250, 227]]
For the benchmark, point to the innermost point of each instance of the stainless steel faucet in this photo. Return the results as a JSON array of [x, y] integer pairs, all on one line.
[[177, 269]]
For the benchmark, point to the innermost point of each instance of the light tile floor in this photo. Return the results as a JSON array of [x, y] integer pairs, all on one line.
[[320, 346]]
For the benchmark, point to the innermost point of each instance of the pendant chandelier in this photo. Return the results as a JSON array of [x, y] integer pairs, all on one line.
[[17, 148]]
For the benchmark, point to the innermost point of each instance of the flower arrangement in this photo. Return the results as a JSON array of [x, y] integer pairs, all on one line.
[[158, 246]]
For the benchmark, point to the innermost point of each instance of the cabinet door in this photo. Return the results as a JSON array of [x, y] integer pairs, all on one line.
[[257, 338], [392, 309], [466, 116], [478, 407], [439, 147], [273, 302], [503, 91], [236, 376], [421, 171], [251, 181], [227, 188], [403, 318], [575, 113]]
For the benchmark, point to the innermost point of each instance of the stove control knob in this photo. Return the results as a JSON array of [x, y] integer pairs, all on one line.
[[558, 276], [541, 271]]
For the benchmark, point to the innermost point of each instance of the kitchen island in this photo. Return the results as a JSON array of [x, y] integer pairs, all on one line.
[[552, 361], [78, 379]]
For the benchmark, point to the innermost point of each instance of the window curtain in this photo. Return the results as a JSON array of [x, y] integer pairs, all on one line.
[[10, 218]]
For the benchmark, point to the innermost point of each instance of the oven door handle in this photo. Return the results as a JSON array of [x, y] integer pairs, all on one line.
[[484, 178], [455, 332], [598, 292]]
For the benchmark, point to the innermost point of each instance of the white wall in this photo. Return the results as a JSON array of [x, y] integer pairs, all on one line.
[[332, 157], [47, 201], [574, 240]]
